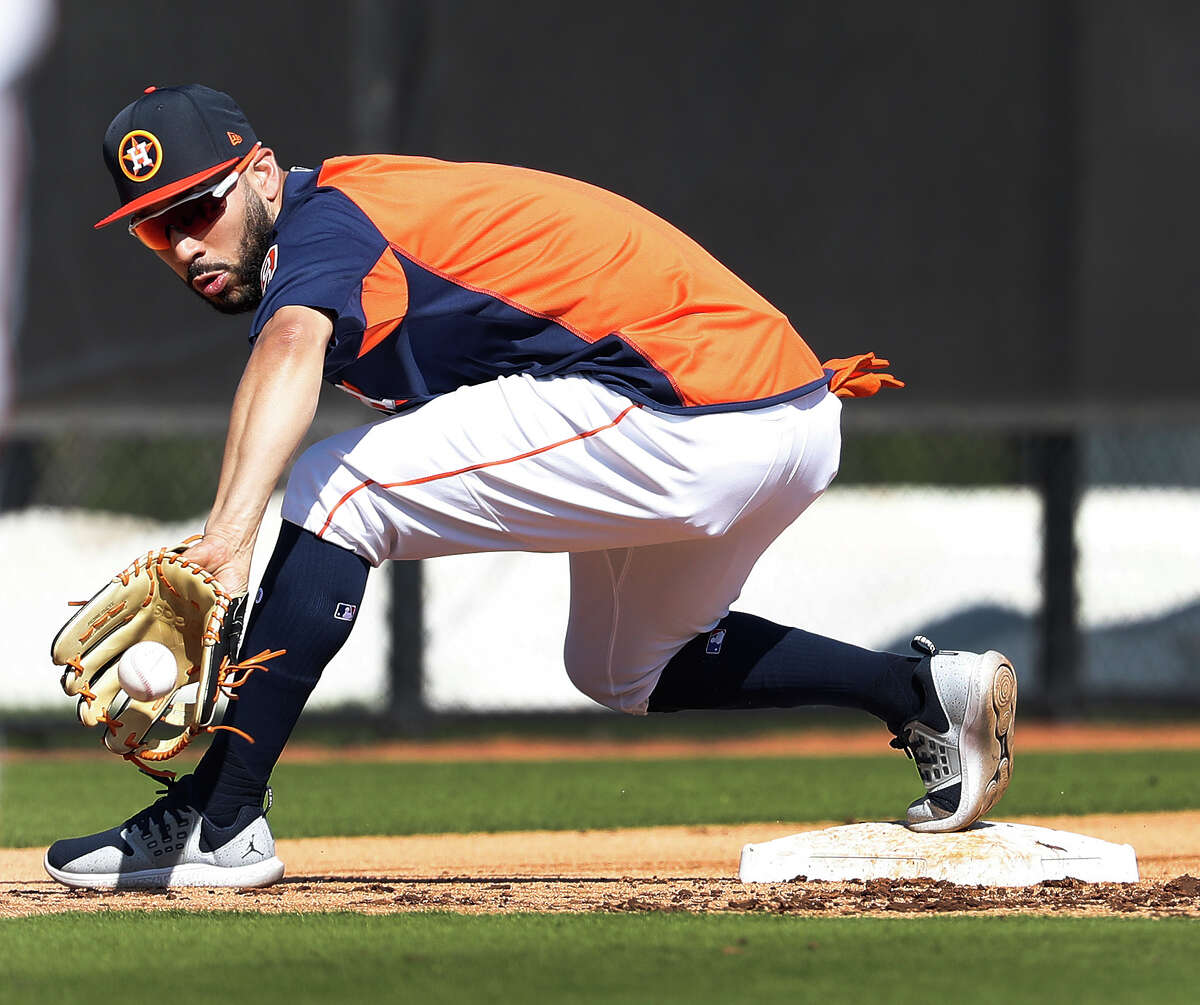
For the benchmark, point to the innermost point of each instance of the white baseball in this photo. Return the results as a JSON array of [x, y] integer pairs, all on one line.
[[147, 671]]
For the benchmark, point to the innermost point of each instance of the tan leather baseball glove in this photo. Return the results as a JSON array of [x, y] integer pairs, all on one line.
[[162, 598]]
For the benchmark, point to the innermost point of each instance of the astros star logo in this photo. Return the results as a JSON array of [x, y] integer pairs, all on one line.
[[140, 155]]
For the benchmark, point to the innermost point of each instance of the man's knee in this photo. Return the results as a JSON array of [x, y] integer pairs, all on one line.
[[595, 677], [324, 498]]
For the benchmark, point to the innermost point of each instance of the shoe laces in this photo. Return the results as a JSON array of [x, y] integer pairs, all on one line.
[[172, 804], [915, 746]]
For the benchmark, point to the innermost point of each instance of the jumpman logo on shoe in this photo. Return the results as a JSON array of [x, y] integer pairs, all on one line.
[[251, 849]]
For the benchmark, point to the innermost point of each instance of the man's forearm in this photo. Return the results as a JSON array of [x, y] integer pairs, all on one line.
[[272, 410]]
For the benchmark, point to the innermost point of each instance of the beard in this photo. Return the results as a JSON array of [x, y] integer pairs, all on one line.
[[243, 291]]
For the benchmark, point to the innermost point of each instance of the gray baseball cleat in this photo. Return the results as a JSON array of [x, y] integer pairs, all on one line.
[[962, 741], [170, 844]]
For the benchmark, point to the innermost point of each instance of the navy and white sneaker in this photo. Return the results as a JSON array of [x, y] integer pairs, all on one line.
[[170, 844], [962, 740]]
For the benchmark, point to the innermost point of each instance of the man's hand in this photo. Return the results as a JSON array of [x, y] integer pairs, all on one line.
[[223, 560]]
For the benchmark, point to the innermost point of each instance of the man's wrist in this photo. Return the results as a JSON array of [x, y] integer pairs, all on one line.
[[238, 537], [232, 546]]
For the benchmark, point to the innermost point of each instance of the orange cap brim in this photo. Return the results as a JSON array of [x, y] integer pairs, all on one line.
[[165, 192]]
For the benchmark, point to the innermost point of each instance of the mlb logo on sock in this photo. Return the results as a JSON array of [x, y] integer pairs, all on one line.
[[345, 612], [715, 641]]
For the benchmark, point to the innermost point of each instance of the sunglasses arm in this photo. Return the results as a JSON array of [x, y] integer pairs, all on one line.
[[227, 183]]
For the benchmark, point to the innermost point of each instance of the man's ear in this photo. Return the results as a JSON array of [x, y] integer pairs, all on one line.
[[266, 175]]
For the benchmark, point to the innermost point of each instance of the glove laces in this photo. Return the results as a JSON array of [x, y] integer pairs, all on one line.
[[228, 682]]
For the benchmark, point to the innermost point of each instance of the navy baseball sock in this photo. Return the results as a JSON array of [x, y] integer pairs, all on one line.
[[749, 662], [311, 592]]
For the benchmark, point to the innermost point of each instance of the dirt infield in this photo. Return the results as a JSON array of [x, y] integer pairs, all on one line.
[[690, 869], [647, 869], [1034, 737]]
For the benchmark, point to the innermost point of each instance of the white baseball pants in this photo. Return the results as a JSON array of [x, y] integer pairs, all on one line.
[[664, 515]]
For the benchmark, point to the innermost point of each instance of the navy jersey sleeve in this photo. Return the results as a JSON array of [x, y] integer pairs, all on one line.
[[324, 246]]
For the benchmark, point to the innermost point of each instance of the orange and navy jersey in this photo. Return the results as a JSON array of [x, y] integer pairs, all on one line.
[[438, 275]]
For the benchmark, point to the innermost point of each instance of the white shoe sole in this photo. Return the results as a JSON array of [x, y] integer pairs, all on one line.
[[262, 873], [985, 743]]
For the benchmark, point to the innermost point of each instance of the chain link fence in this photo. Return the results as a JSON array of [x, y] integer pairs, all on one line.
[[1139, 564]]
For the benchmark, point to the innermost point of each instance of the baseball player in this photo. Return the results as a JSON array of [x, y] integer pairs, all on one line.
[[563, 371]]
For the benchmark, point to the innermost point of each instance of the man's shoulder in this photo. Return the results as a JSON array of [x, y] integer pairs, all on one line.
[[322, 247], [311, 210]]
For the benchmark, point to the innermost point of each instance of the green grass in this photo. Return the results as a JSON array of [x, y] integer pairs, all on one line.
[[42, 801], [596, 958]]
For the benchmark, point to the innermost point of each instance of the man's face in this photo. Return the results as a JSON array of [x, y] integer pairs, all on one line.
[[220, 258]]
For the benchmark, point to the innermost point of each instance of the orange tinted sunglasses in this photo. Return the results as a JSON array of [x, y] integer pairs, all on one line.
[[192, 213]]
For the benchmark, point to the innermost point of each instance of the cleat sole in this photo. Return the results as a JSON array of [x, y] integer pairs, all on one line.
[[244, 877], [985, 745], [1004, 707]]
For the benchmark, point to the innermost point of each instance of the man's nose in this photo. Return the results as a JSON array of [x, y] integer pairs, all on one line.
[[186, 248]]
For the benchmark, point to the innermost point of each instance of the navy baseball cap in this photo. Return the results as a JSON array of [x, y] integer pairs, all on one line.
[[170, 140]]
